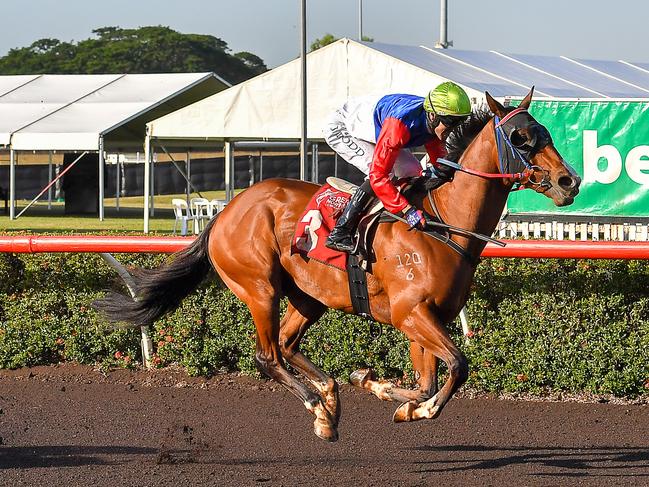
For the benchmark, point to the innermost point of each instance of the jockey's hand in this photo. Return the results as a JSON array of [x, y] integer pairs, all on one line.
[[439, 171], [415, 218]]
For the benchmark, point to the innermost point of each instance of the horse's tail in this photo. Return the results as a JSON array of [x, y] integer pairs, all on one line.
[[159, 291]]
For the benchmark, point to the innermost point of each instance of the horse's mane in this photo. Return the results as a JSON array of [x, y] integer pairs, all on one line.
[[456, 144], [462, 136]]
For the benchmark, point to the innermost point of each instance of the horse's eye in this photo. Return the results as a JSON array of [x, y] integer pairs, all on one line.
[[517, 139]]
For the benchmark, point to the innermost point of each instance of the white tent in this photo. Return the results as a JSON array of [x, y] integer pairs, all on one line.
[[268, 107], [91, 112], [72, 112]]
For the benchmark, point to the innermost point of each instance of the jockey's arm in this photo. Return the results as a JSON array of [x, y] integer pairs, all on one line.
[[393, 137], [435, 149]]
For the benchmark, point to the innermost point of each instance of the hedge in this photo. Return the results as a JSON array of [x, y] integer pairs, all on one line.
[[540, 326]]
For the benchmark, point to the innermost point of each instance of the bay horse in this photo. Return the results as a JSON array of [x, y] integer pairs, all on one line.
[[249, 246]]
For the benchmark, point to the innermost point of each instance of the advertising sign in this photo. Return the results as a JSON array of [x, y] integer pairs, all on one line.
[[607, 143]]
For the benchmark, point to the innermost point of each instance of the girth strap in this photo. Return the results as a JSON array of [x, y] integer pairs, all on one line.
[[358, 287]]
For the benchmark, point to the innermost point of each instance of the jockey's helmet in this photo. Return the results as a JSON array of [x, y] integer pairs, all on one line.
[[448, 99]]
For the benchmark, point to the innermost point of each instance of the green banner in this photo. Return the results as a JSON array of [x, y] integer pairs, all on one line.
[[607, 143]]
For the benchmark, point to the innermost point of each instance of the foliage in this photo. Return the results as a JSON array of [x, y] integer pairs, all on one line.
[[540, 326], [153, 49], [325, 40]]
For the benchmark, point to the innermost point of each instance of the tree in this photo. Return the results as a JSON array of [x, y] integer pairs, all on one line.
[[325, 40], [153, 49]]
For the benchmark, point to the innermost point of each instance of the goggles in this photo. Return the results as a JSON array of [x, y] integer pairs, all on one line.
[[451, 122]]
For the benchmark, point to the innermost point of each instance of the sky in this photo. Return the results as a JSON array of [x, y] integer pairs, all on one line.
[[588, 29]]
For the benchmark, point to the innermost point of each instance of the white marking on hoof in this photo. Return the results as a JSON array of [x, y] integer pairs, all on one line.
[[404, 412], [323, 426], [381, 389], [427, 409], [360, 377]]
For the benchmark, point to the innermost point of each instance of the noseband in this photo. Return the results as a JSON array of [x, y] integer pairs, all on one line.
[[515, 157]]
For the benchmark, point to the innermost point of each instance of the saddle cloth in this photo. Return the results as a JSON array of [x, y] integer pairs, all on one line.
[[318, 220]]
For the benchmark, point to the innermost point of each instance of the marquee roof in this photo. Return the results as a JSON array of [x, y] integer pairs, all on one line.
[[269, 105], [71, 112]]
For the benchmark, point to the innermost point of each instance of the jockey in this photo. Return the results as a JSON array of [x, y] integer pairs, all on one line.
[[374, 134]]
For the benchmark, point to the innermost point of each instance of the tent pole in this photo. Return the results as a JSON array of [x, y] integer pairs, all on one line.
[[117, 182], [101, 178], [188, 170], [147, 177], [12, 184], [152, 172], [229, 171], [49, 177], [315, 162], [261, 166]]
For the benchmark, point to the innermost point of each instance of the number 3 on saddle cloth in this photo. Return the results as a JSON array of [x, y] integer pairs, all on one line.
[[317, 222]]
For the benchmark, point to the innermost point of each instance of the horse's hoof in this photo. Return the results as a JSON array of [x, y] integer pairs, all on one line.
[[435, 411], [325, 431], [404, 412], [361, 376]]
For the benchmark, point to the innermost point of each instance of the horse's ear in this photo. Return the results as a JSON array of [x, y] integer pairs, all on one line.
[[495, 107], [525, 104]]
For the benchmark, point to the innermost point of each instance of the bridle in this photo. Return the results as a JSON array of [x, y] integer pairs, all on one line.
[[514, 155], [514, 164]]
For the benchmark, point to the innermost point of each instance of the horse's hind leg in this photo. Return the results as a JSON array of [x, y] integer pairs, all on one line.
[[263, 301], [425, 365], [302, 312]]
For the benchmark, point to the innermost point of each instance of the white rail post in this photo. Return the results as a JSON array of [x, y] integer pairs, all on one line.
[[146, 343]]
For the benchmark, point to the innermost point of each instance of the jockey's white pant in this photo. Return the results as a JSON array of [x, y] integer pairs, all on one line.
[[351, 135]]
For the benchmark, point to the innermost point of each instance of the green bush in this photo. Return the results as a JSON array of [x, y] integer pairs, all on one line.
[[540, 325]]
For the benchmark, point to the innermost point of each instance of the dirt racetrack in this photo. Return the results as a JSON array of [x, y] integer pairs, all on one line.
[[73, 426]]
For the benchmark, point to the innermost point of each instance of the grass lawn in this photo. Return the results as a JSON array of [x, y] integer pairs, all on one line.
[[129, 217]]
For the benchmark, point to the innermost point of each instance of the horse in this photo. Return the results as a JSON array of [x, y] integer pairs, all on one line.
[[248, 244]]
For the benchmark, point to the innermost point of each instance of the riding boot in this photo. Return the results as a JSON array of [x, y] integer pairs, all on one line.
[[341, 237]]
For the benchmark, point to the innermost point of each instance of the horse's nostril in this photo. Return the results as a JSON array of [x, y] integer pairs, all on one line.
[[567, 182]]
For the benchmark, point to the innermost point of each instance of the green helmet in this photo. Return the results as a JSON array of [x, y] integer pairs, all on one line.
[[448, 99]]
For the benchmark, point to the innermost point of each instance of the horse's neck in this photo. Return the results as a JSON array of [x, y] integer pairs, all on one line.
[[472, 202]]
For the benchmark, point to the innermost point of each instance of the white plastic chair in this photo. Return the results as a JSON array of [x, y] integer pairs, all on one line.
[[200, 211], [216, 206], [182, 214]]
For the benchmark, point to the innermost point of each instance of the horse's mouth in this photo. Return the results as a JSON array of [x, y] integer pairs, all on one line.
[[562, 197], [566, 201]]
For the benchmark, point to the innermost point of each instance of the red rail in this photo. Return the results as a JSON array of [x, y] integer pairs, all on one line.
[[92, 243], [136, 244]]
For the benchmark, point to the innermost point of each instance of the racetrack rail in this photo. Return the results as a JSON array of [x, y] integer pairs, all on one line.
[[533, 249]]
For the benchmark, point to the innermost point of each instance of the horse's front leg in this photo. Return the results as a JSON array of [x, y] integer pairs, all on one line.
[[424, 364], [424, 327]]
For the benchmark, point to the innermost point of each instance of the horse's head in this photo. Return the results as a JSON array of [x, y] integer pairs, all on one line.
[[547, 172]]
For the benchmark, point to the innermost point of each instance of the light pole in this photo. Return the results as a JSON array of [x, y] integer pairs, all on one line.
[[443, 42], [303, 141], [360, 20]]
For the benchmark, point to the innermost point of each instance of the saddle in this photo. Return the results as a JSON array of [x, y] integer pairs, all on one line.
[[366, 227]]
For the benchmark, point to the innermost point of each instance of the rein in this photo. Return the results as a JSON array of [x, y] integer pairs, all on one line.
[[445, 237]]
